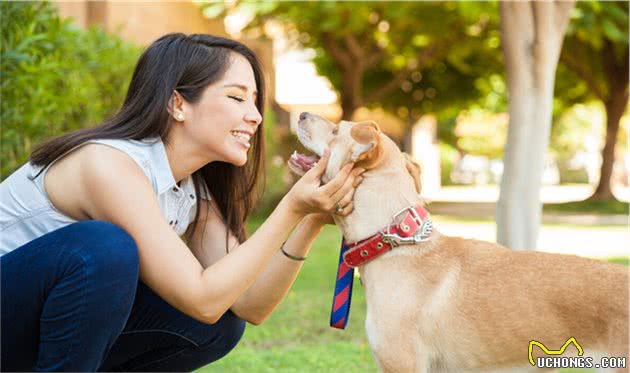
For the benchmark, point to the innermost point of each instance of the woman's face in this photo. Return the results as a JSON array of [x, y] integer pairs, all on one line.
[[226, 117]]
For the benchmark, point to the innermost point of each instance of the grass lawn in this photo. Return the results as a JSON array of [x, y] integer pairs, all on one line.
[[588, 207], [297, 338]]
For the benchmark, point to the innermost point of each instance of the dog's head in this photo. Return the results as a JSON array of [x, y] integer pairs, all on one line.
[[360, 143]]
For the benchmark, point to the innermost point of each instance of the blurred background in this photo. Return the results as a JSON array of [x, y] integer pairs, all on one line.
[[430, 73]]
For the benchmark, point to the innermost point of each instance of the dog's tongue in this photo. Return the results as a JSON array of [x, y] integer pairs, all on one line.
[[302, 162]]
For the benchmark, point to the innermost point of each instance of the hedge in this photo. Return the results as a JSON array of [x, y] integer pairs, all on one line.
[[55, 77]]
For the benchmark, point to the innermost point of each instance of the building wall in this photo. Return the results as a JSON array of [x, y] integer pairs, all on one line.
[[76, 11], [141, 22], [144, 22]]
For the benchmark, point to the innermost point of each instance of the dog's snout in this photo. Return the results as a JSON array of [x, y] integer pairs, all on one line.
[[304, 115]]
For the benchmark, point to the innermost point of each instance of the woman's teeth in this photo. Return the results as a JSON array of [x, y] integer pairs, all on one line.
[[242, 136]]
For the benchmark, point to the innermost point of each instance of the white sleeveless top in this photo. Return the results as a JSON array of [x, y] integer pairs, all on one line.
[[26, 212]]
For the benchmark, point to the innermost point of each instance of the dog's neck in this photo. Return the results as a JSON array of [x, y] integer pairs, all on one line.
[[385, 190]]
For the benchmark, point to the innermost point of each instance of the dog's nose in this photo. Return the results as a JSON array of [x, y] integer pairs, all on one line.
[[303, 115]]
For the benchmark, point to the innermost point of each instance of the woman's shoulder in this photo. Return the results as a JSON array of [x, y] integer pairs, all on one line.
[[111, 161], [115, 159], [71, 181]]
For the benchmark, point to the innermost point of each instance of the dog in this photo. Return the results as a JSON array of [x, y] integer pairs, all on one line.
[[447, 304]]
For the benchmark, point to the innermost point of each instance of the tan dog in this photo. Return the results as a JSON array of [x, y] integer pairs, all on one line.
[[459, 305]]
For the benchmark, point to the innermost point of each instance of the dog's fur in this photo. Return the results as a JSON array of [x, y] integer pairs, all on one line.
[[457, 305]]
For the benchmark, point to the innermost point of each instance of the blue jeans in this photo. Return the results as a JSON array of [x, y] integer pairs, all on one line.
[[71, 301]]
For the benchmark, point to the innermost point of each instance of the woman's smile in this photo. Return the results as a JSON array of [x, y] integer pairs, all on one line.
[[242, 138]]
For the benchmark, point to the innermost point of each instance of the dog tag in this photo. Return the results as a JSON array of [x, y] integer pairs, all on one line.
[[343, 292]]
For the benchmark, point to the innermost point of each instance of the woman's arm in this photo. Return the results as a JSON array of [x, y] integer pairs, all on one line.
[[257, 303], [113, 188], [274, 283]]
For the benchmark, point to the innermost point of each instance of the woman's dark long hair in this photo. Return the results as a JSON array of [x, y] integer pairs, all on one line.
[[188, 64]]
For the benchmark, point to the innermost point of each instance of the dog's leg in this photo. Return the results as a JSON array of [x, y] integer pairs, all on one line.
[[394, 352], [612, 370], [618, 344], [524, 369], [391, 361]]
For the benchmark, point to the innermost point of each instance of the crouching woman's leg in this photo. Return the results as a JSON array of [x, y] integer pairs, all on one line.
[[66, 297], [160, 338]]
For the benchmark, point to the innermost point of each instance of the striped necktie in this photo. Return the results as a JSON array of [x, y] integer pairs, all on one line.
[[343, 292]]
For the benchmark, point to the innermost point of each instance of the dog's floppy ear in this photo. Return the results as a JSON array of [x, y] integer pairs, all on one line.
[[367, 151], [414, 170]]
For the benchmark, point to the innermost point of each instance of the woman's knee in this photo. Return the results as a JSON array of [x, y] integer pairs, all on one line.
[[223, 336], [105, 243], [233, 328], [109, 253]]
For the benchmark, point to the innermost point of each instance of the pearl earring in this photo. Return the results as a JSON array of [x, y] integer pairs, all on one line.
[[179, 116]]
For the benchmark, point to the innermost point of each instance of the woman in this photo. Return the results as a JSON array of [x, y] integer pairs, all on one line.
[[96, 273]]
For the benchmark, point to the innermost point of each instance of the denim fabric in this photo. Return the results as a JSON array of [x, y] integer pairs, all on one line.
[[71, 301]]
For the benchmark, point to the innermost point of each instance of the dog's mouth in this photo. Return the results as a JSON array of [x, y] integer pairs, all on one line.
[[301, 163]]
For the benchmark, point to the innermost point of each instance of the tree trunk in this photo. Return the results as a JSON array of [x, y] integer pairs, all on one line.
[[617, 75], [351, 63], [407, 138], [531, 34], [351, 94], [615, 107]]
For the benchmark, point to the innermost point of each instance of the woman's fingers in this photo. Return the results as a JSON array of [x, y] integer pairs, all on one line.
[[318, 170], [346, 199], [347, 209], [338, 181], [349, 184], [333, 197]]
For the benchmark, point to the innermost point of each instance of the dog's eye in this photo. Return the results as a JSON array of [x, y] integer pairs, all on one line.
[[335, 130]]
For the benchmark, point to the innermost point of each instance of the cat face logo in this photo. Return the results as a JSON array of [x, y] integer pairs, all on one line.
[[553, 352]]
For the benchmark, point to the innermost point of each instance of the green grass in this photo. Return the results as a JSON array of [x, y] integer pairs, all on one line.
[[297, 338], [620, 260], [589, 207]]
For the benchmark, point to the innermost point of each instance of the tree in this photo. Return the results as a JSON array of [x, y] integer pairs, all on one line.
[[376, 54], [532, 34], [596, 51]]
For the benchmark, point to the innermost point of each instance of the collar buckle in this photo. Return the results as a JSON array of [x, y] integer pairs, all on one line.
[[414, 215], [395, 240], [423, 232]]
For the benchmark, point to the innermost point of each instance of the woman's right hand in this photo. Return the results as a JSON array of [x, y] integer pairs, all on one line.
[[309, 196]]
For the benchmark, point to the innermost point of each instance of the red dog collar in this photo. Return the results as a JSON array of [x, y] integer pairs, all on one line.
[[415, 227]]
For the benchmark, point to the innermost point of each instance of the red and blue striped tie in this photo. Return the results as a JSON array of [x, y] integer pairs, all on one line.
[[343, 292]]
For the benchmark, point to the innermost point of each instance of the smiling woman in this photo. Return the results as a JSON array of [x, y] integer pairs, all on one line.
[[123, 246]]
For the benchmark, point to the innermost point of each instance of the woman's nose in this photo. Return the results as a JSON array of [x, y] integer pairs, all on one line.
[[253, 117]]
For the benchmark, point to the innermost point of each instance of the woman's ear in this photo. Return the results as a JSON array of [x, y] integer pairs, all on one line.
[[176, 106], [367, 150]]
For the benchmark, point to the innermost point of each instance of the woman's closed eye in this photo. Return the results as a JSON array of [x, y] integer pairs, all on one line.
[[237, 98]]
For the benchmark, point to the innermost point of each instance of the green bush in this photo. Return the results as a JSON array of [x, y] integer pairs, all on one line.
[[55, 77], [448, 156], [275, 186], [279, 143]]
